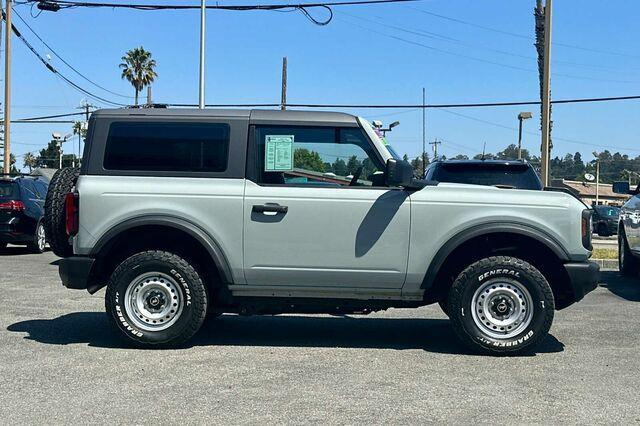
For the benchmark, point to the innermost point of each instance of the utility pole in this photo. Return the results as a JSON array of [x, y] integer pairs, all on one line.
[[546, 95], [84, 105], [424, 131], [203, 12], [283, 98], [435, 144], [7, 89], [149, 101]]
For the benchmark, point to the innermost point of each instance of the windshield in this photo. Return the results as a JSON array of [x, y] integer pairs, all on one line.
[[8, 190], [607, 211], [484, 174]]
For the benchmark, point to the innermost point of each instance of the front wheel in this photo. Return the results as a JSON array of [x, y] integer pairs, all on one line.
[[501, 305], [629, 265], [156, 299]]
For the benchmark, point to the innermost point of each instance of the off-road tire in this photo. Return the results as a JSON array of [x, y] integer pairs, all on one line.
[[508, 271], [36, 246], [189, 284], [629, 264], [61, 184]]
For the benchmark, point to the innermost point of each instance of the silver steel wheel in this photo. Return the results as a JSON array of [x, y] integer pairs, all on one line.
[[153, 301], [40, 237], [502, 308]]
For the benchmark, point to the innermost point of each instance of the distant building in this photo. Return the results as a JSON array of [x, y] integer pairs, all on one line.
[[587, 192]]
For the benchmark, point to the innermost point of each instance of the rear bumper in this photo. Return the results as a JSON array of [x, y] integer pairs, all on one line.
[[75, 272], [583, 277]]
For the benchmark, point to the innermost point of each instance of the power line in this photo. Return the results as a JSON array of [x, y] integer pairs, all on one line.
[[415, 106], [383, 21], [64, 4], [55, 71], [573, 141], [55, 5], [65, 62], [477, 59], [522, 36]]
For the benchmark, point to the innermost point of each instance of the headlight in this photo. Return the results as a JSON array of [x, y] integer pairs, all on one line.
[[587, 218]]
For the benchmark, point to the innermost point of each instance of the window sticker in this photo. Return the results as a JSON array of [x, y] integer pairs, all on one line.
[[278, 156]]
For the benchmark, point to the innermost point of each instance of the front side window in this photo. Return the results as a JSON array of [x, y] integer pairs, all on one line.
[[171, 147], [316, 156]]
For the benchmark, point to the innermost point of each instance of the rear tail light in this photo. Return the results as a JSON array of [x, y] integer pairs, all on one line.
[[586, 229], [13, 205], [71, 207]]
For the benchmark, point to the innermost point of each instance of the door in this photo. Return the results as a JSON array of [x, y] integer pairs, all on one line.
[[316, 213]]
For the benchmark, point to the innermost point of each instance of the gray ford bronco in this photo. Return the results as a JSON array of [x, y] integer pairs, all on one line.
[[184, 213]]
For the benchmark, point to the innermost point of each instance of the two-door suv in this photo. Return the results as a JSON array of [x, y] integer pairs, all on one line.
[[180, 213]]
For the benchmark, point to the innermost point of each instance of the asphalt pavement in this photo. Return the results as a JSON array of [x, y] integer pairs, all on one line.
[[61, 362]]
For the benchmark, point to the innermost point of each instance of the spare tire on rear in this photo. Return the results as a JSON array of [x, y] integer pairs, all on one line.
[[61, 184]]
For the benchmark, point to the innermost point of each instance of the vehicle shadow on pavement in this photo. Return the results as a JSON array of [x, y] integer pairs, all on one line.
[[15, 251], [431, 335], [626, 287]]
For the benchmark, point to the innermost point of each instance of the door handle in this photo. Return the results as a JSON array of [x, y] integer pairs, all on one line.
[[270, 208]]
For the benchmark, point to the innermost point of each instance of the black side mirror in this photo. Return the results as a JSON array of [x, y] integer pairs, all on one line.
[[398, 173], [622, 187]]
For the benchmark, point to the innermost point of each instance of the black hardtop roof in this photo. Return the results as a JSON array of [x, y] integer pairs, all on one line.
[[256, 115], [488, 163]]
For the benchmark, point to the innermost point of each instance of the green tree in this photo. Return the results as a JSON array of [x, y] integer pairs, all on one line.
[[340, 167], [307, 160], [138, 68], [29, 161], [353, 164]]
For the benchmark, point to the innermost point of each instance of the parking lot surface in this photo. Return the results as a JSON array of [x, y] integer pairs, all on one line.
[[61, 362]]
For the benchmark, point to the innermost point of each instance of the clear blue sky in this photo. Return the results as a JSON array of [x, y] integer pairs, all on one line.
[[368, 54]]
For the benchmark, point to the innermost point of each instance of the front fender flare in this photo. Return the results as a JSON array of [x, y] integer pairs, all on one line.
[[487, 229]]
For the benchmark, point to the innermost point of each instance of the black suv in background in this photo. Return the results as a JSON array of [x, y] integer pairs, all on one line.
[[605, 220], [21, 211], [503, 173]]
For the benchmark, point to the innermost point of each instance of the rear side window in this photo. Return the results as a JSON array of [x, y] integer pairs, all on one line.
[[8, 191], [516, 176], [172, 147]]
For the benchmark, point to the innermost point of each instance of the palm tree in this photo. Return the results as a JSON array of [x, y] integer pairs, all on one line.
[[30, 161], [138, 68]]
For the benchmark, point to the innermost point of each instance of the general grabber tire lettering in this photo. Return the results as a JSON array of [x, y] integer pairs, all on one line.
[[55, 231], [156, 299], [501, 305]]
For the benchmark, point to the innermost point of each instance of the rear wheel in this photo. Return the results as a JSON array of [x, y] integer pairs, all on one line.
[[501, 305], [61, 184], [39, 242], [156, 299], [629, 265]]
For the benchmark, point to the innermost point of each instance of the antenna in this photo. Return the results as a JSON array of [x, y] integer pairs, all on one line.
[[484, 148]]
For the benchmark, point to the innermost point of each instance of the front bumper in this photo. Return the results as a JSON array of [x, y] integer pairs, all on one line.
[[583, 277], [75, 272]]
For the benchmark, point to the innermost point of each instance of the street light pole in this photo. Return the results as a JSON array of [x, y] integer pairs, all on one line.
[[203, 10], [521, 117], [7, 89]]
